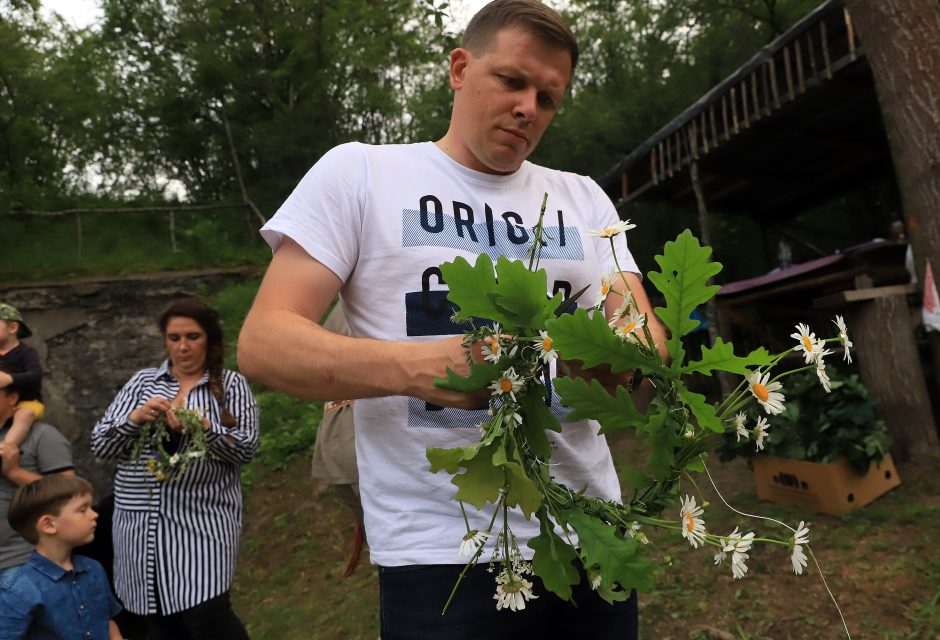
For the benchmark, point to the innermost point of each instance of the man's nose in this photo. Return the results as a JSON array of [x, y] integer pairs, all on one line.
[[527, 107]]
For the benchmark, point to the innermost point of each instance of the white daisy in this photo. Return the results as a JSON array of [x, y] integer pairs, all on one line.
[[808, 343], [492, 348], [512, 591], [760, 432], [507, 384], [511, 417], [631, 328], [633, 529], [607, 284], [720, 556], [798, 559], [821, 371], [546, 349], [844, 338], [613, 230], [767, 393], [739, 429], [175, 459], [738, 545], [693, 527], [596, 579], [802, 534], [738, 566], [471, 542], [623, 310]]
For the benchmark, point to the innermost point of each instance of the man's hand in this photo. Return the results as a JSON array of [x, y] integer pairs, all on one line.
[[641, 396], [5, 379], [10, 455], [435, 359]]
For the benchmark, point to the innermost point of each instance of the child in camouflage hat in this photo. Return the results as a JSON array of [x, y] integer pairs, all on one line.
[[25, 373]]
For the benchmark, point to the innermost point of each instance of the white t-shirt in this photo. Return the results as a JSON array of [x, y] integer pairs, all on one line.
[[383, 219]]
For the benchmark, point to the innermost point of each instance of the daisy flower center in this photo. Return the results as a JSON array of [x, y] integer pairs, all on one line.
[[505, 385], [609, 231], [627, 328], [691, 526], [807, 343], [761, 392], [546, 344], [605, 288]]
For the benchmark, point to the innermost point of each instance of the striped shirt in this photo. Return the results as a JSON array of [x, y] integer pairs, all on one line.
[[177, 540]]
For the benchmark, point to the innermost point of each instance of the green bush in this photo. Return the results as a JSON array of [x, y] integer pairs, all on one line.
[[819, 426]]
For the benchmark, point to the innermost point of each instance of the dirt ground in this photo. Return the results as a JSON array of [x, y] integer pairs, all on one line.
[[880, 562]]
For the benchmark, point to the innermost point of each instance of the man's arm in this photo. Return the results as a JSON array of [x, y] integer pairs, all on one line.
[[16, 474], [282, 346], [642, 302]]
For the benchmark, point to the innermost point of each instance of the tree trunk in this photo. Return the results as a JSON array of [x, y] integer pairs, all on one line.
[[899, 38]]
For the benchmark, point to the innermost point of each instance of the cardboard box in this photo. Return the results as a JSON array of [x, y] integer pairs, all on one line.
[[833, 488]]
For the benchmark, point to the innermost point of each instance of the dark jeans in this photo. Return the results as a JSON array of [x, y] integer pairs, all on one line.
[[211, 620], [413, 597]]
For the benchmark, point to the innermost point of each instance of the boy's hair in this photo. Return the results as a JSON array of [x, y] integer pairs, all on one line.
[[45, 496], [531, 16]]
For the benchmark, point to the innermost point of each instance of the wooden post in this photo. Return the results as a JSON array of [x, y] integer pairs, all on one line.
[[78, 234], [711, 307]]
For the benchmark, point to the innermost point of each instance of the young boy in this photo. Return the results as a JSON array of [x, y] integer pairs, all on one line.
[[55, 594], [23, 361]]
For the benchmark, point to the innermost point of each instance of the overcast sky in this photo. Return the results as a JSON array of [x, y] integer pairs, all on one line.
[[81, 13]]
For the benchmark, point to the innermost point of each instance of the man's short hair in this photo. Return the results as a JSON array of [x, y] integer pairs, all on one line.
[[531, 16], [43, 497]]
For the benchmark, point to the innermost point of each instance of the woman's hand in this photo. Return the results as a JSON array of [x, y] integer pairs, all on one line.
[[150, 410], [173, 421]]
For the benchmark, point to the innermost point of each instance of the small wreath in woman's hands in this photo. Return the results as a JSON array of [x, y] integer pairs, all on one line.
[[151, 443]]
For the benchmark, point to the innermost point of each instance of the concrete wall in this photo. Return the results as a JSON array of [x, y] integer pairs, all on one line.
[[92, 335]]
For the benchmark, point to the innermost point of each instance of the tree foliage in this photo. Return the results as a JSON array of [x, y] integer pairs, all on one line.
[[192, 92]]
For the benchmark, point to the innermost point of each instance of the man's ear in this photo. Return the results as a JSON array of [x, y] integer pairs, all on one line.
[[46, 525], [459, 60]]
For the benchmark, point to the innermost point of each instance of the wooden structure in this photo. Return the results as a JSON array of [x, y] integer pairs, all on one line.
[[795, 125]]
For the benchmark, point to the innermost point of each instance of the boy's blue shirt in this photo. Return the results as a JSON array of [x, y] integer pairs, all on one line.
[[43, 601]]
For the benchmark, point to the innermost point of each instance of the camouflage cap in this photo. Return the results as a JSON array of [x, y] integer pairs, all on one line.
[[10, 313]]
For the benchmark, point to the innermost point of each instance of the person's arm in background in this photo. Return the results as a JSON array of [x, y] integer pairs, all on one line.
[[236, 444], [282, 345], [53, 455], [31, 375]]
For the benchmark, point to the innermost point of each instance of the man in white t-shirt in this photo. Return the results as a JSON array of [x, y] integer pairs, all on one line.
[[373, 224]]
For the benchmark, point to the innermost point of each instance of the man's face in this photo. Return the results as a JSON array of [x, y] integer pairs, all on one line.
[[504, 99]]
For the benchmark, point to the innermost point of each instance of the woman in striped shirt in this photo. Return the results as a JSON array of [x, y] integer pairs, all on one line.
[[176, 540]]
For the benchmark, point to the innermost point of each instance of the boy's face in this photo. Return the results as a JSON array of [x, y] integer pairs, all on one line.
[[8, 332], [76, 522]]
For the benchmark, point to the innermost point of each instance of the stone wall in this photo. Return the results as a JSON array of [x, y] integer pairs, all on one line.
[[92, 335]]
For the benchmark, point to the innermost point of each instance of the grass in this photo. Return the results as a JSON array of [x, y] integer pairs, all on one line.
[[125, 243], [879, 561]]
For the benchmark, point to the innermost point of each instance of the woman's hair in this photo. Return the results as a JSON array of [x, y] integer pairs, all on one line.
[[531, 16], [207, 318], [43, 497]]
